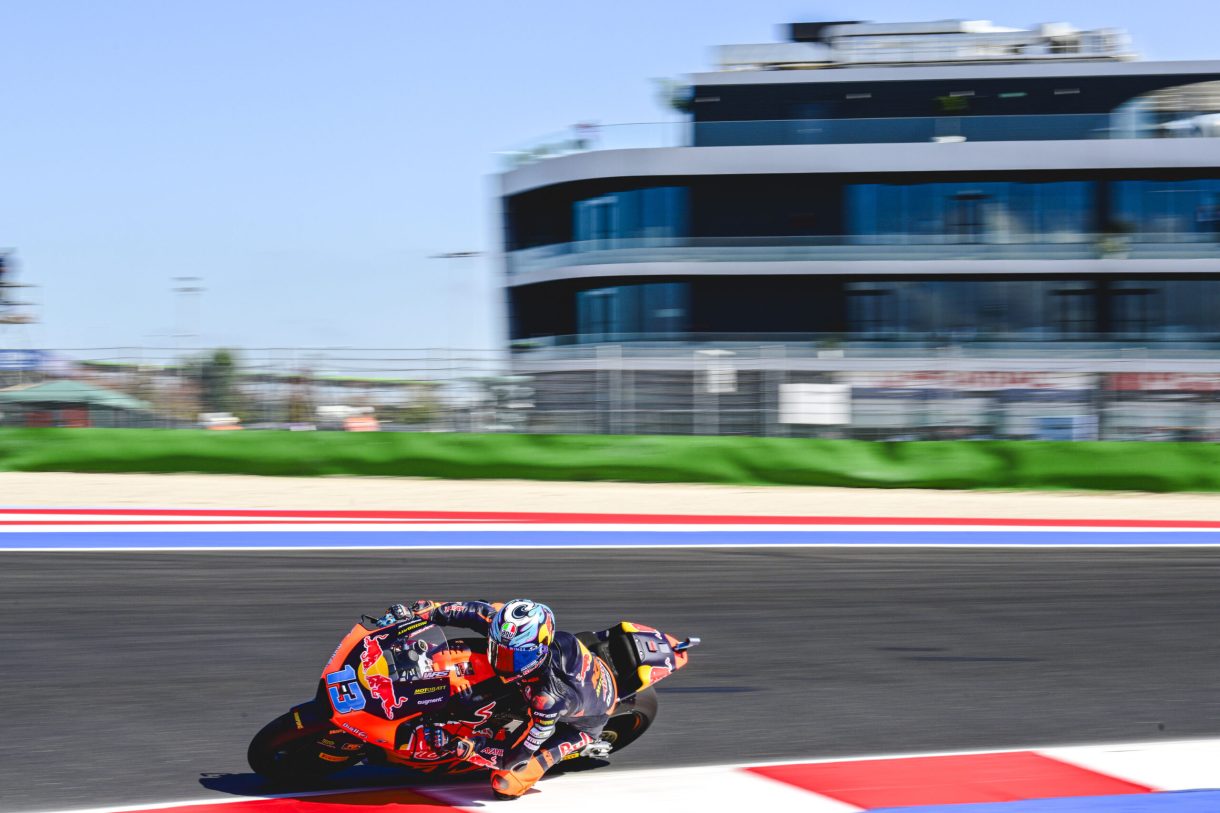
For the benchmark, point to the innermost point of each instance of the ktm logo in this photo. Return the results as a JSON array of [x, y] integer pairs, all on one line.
[[602, 682]]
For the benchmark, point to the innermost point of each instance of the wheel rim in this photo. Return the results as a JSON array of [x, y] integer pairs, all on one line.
[[621, 729]]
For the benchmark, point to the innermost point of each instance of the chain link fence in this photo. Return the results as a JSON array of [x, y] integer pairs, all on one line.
[[763, 390]]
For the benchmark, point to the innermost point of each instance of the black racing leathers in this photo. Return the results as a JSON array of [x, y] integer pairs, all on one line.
[[569, 699]]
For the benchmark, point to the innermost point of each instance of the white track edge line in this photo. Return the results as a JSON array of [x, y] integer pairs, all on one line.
[[423, 790], [370, 527], [336, 548]]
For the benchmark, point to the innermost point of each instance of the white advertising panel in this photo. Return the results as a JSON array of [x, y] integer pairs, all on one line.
[[815, 404]]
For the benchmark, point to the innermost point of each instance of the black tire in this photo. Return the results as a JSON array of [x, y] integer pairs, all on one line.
[[287, 754], [631, 720], [628, 723]]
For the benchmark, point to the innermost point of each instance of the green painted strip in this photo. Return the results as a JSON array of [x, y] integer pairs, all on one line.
[[634, 458]]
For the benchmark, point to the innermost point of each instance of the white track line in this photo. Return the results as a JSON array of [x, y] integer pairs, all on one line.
[[521, 527], [841, 546], [1096, 756]]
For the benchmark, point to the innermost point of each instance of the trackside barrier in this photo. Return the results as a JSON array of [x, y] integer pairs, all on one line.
[[640, 458]]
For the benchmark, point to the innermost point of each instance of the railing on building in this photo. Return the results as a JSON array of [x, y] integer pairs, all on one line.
[[1045, 348], [916, 129], [796, 386], [876, 247]]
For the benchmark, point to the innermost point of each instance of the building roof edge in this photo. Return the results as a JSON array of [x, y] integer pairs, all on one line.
[[975, 71]]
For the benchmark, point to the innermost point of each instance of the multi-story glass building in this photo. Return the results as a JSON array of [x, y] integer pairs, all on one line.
[[865, 185], [882, 181]]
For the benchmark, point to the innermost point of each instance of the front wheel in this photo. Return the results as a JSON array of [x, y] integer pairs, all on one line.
[[295, 750]]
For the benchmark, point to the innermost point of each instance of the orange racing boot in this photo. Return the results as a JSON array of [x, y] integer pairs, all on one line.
[[514, 784]]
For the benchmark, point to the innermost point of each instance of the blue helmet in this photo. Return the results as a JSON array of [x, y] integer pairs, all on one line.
[[519, 638]]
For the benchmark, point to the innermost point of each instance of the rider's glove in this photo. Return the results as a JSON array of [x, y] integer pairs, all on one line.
[[462, 686], [437, 738], [393, 614], [468, 749], [422, 608]]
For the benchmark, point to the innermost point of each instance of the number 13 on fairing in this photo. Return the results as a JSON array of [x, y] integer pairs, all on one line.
[[345, 694]]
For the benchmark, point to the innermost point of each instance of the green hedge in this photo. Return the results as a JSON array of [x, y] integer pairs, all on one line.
[[644, 459]]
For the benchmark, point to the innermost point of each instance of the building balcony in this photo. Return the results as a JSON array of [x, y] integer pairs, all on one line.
[[860, 248], [1041, 349], [930, 129]]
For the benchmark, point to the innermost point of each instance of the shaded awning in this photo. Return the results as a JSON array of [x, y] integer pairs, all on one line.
[[71, 392]]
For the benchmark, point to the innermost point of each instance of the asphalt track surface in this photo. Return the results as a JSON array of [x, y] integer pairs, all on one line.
[[140, 677]]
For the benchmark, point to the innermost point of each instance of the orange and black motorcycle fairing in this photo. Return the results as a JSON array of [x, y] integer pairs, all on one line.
[[383, 684]]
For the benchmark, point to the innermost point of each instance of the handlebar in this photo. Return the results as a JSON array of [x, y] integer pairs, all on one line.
[[687, 644]]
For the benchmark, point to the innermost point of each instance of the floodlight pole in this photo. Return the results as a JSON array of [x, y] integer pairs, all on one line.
[[452, 289]]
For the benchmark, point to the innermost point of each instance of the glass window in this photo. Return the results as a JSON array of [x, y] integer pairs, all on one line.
[[872, 308], [1063, 211], [1182, 309], [663, 212], [665, 307], [597, 312], [1135, 309], [597, 219], [658, 212], [1073, 307], [604, 314], [1183, 210], [970, 212], [968, 309]]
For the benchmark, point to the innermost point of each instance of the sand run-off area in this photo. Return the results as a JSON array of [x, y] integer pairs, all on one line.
[[19, 489]]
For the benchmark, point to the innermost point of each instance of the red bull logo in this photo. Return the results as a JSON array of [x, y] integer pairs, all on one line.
[[573, 749], [381, 689], [372, 651]]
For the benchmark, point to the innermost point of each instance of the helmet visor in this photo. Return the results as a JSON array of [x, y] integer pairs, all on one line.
[[510, 661]]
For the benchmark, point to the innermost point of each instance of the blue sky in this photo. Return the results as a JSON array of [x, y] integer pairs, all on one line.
[[305, 157]]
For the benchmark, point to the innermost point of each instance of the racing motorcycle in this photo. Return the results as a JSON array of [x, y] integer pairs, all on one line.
[[385, 683]]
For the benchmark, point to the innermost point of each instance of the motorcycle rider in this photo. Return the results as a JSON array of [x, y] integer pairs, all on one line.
[[569, 692]]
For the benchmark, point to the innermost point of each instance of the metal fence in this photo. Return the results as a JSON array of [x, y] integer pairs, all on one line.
[[719, 395], [743, 389], [301, 388]]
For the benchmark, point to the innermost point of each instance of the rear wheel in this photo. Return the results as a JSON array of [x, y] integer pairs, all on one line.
[[625, 726], [629, 724], [295, 750]]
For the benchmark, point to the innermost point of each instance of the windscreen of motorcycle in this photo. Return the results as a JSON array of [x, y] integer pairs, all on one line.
[[394, 667]]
